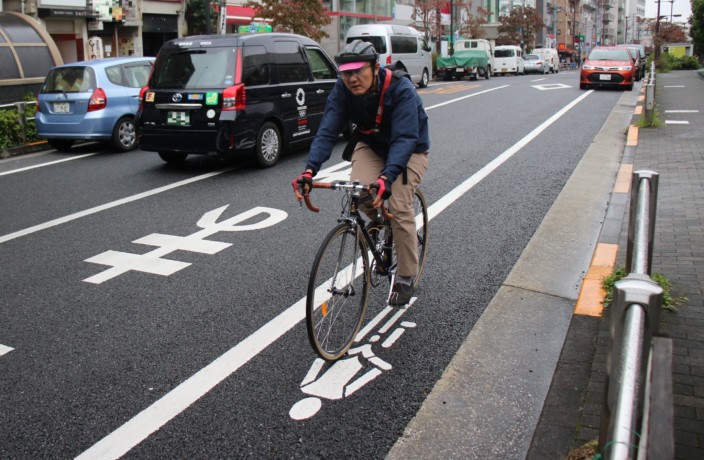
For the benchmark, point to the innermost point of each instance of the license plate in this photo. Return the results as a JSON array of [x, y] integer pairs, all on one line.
[[504, 69], [61, 107], [605, 76], [178, 119], [459, 70]]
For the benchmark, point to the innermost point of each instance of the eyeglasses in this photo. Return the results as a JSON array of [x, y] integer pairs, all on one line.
[[346, 74]]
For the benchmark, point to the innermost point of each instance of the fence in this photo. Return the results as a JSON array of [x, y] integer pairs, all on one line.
[[639, 401]]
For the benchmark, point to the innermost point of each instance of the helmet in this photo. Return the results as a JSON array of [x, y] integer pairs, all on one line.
[[355, 54]]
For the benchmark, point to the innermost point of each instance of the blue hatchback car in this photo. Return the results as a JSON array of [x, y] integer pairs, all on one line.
[[92, 100]]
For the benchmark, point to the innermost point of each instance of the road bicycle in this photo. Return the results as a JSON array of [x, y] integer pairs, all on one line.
[[356, 254]]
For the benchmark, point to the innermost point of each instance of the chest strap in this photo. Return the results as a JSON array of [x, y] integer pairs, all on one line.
[[379, 111]]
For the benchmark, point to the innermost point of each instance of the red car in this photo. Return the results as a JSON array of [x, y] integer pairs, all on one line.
[[608, 66]]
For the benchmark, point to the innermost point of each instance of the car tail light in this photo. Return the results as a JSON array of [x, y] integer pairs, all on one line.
[[142, 92], [388, 60], [98, 100], [233, 97]]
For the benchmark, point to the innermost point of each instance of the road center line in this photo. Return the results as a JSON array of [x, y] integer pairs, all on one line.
[[137, 429], [103, 207]]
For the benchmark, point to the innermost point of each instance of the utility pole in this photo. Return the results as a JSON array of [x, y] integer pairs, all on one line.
[[656, 39]]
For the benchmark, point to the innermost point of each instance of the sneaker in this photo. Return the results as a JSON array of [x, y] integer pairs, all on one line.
[[401, 294]]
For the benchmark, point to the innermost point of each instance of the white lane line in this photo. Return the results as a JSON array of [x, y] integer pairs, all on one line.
[[4, 349], [681, 111], [47, 164], [137, 429], [676, 122], [464, 97], [674, 86], [103, 207]]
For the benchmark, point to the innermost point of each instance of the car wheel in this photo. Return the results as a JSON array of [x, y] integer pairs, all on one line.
[[424, 79], [583, 86], [268, 147], [173, 157], [629, 87], [487, 73], [62, 145], [124, 137]]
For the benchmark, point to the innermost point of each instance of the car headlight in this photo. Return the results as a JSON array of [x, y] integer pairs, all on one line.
[[588, 67], [626, 67]]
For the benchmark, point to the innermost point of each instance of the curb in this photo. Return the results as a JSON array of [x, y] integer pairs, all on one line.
[[24, 149]]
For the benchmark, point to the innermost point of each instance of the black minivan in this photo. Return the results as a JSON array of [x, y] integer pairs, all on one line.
[[234, 94]]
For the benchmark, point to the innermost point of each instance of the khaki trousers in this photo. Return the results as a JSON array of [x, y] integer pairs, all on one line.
[[366, 167]]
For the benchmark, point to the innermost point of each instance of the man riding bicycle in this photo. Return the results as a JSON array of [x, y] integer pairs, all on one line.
[[388, 150]]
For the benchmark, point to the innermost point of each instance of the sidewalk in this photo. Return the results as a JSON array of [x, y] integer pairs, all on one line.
[[676, 152]]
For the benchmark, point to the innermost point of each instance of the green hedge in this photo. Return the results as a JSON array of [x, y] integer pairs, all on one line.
[[10, 128], [666, 62]]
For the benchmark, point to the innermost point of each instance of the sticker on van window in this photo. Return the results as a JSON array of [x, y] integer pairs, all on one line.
[[211, 98]]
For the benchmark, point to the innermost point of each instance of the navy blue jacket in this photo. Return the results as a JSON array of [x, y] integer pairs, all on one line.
[[404, 126]]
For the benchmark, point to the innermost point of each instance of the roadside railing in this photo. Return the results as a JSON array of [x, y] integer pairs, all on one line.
[[650, 95], [21, 108], [638, 399]]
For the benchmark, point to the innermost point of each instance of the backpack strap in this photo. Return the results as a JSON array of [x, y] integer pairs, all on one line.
[[388, 76]]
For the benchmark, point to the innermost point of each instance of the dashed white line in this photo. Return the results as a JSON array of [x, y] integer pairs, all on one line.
[[4, 349]]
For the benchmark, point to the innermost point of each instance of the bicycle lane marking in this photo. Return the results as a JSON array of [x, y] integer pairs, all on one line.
[[151, 419], [26, 168], [103, 207]]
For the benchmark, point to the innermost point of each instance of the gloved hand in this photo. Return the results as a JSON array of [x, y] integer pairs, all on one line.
[[382, 189], [303, 184]]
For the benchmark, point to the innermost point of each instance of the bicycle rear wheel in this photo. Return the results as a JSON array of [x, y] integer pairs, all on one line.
[[338, 289], [421, 211]]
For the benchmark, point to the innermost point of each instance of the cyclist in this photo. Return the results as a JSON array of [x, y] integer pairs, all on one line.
[[388, 150]]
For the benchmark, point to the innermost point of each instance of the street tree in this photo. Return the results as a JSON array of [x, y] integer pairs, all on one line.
[[472, 20], [519, 27], [696, 20], [427, 12], [303, 17], [196, 17]]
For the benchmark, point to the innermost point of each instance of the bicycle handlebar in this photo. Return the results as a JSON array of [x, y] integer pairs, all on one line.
[[338, 185]]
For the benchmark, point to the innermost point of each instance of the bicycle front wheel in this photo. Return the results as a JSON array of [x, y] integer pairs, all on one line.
[[421, 210], [338, 289]]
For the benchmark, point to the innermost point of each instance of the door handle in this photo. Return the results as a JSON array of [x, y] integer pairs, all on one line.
[[284, 95], [320, 91]]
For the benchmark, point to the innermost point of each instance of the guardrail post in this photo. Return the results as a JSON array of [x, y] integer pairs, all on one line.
[[22, 116], [635, 315], [641, 224]]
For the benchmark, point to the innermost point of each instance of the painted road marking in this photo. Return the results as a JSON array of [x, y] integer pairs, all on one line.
[[103, 207], [681, 111], [4, 349], [46, 164], [551, 86], [676, 122], [451, 89], [137, 429]]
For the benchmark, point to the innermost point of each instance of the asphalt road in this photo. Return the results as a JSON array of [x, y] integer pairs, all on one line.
[[144, 313]]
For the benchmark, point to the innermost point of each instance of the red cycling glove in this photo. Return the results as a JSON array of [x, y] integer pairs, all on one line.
[[303, 184]]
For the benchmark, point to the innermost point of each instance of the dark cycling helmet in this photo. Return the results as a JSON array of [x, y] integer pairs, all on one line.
[[354, 52]]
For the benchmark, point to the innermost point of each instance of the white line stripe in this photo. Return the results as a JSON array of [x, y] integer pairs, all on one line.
[[136, 430], [4, 349], [674, 86], [676, 122], [681, 111], [46, 164], [103, 207], [464, 97]]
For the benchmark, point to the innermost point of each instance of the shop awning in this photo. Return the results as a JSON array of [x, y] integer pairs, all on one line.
[[237, 14]]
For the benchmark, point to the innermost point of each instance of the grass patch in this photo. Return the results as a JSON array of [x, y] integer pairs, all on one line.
[[584, 452], [669, 302], [656, 122]]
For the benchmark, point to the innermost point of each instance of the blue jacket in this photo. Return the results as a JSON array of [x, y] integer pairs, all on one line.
[[404, 126]]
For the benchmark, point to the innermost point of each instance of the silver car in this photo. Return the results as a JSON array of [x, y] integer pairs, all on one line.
[[535, 64]]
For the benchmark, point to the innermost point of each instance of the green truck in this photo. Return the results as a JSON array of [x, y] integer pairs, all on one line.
[[472, 63]]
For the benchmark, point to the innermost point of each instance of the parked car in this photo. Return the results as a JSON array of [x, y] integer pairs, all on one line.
[[640, 59], [534, 64], [508, 59], [235, 94], [607, 66], [92, 100], [550, 56]]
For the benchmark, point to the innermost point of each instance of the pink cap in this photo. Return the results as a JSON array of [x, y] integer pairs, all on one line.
[[351, 66]]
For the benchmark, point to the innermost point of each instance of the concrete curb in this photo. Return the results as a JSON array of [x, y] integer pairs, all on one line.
[[24, 149]]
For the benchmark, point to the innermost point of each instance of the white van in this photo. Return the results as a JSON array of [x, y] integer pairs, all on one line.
[[550, 56], [398, 43], [508, 59], [476, 44]]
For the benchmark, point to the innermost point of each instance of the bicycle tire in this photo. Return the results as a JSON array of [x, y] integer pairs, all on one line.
[[421, 211], [337, 296]]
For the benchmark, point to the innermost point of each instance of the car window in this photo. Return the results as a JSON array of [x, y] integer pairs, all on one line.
[[609, 55], [532, 57], [290, 65], [403, 44], [114, 74], [137, 75], [504, 53], [256, 66], [320, 65], [378, 42], [194, 69], [70, 80]]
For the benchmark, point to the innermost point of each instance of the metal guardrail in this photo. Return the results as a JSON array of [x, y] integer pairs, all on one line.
[[639, 365], [21, 108], [650, 95]]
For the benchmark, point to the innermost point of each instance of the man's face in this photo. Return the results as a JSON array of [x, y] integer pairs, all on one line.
[[359, 81]]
